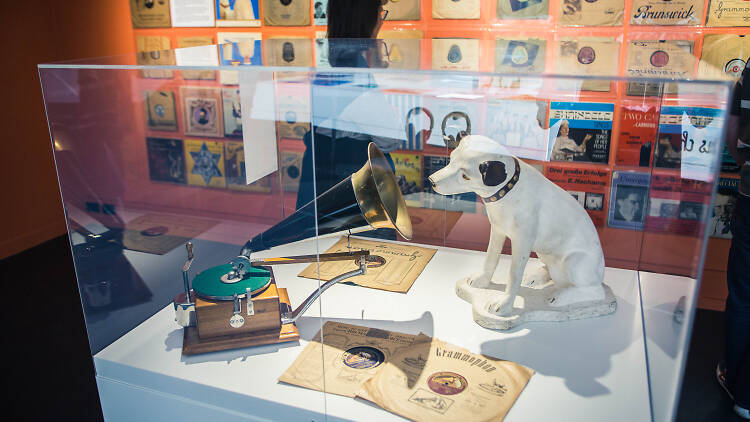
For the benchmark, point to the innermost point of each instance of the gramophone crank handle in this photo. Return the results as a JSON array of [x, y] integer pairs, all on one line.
[[291, 317]]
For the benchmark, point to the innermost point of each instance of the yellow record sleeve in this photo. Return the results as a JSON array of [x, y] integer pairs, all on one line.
[[150, 13], [205, 163], [286, 12]]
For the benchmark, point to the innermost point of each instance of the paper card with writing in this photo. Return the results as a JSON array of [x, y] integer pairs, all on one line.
[[728, 13], [719, 225], [160, 111], [154, 51], [291, 170], [232, 112], [517, 125], [342, 357], [320, 12], [234, 164], [166, 160], [591, 13], [289, 51], [286, 12], [584, 131], [293, 116], [193, 13], [202, 111], [403, 264], [238, 49], [205, 163], [187, 56], [456, 9], [150, 13], [432, 380], [455, 54], [402, 48], [409, 175], [587, 56], [639, 123], [522, 9], [589, 185], [237, 13], [669, 59], [723, 56], [402, 10], [628, 200], [666, 12]]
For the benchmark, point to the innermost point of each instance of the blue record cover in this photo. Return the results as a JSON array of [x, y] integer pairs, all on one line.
[[463, 202], [237, 13], [166, 161], [584, 132], [628, 200]]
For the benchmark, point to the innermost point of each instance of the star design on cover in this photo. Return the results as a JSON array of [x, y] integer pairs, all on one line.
[[205, 163]]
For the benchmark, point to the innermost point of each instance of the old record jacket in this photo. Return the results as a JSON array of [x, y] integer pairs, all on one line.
[[456, 9], [341, 358], [723, 55], [728, 13], [205, 163], [520, 55], [234, 165], [668, 59], [150, 13], [186, 42], [154, 51], [289, 51], [666, 12], [202, 111], [587, 56], [160, 110], [436, 381], [286, 12], [455, 54], [402, 10], [402, 48], [591, 13], [522, 9]]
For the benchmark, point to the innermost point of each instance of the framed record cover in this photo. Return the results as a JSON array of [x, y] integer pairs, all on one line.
[[150, 13], [237, 13], [234, 165], [455, 54], [286, 12], [320, 12], [628, 200], [237, 49], [166, 160], [728, 13], [456, 9], [522, 9], [668, 59], [232, 112], [202, 111], [591, 13], [639, 124], [719, 225], [587, 56], [154, 51], [580, 131], [205, 163], [291, 170], [193, 56], [402, 48], [160, 111], [403, 10], [723, 55], [289, 51], [667, 12]]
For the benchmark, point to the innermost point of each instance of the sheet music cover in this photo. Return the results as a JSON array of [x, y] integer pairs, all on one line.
[[728, 13], [627, 205], [320, 12], [160, 111], [237, 13], [166, 160], [205, 163], [289, 51], [522, 9], [639, 123], [154, 51], [517, 125], [666, 12], [723, 209], [291, 170], [587, 56], [584, 131], [237, 49], [677, 205], [402, 48], [286, 12], [150, 13], [668, 59], [202, 111], [403, 10], [723, 55], [197, 56], [587, 185], [591, 13], [234, 164], [455, 54], [456, 9]]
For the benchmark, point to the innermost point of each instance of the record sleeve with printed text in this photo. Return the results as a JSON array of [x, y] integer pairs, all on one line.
[[409, 175], [723, 55], [639, 124], [677, 205], [589, 185], [160, 111], [205, 163], [288, 51], [202, 111], [587, 56], [667, 59], [150, 13], [591, 13], [666, 12], [187, 42], [720, 222], [286, 12], [628, 200], [580, 131], [728, 13], [154, 50]]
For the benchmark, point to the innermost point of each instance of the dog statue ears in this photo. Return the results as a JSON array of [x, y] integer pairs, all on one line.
[[449, 140], [418, 137]]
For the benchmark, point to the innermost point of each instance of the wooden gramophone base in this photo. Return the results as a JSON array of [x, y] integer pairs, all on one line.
[[193, 345]]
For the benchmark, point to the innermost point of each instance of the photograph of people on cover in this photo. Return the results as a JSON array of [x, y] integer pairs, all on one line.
[[580, 144], [594, 201], [669, 209], [722, 213], [691, 210], [629, 203], [320, 10], [668, 151]]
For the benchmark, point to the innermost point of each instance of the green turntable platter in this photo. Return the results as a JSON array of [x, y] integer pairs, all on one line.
[[213, 284]]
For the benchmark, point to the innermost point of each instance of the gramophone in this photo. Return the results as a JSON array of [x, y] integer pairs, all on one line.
[[238, 304]]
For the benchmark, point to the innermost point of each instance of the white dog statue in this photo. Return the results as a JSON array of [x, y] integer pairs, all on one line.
[[538, 216]]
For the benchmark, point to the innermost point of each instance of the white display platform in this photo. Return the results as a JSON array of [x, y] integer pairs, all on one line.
[[586, 370]]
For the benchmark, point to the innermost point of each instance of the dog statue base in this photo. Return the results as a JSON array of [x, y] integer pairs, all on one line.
[[531, 304]]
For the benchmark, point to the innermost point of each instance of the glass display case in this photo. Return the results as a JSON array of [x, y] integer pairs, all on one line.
[[354, 201]]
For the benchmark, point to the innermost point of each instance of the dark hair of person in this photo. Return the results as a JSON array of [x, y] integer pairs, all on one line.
[[353, 18]]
